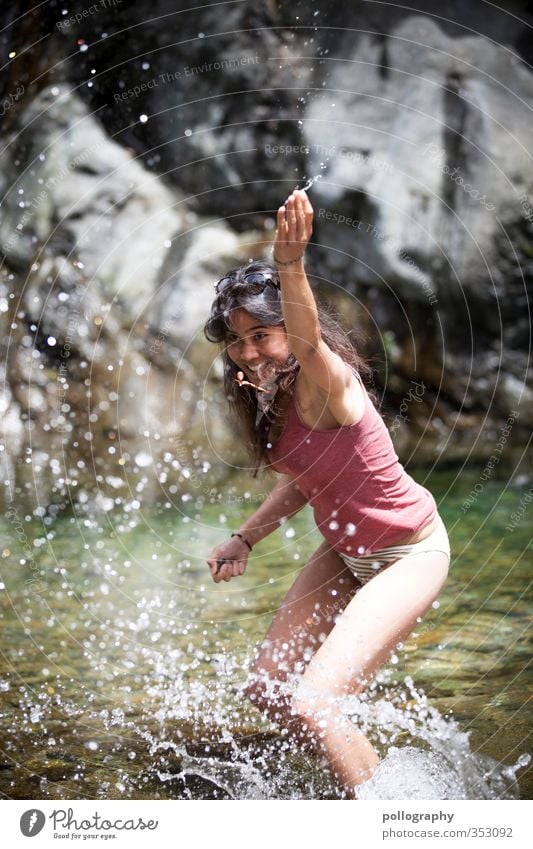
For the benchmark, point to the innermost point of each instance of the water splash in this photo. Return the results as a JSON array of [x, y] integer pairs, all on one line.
[[412, 773], [441, 765], [146, 701], [311, 181], [194, 737]]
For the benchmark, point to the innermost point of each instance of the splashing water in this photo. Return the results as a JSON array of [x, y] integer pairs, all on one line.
[[192, 738], [310, 182], [412, 773], [446, 768], [145, 700]]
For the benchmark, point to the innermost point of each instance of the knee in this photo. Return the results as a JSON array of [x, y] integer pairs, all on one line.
[[266, 694], [312, 704], [317, 702], [255, 691]]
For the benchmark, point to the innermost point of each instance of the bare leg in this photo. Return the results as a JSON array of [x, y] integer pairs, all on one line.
[[320, 593], [380, 615]]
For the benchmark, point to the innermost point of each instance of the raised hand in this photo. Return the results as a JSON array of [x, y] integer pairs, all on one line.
[[294, 228]]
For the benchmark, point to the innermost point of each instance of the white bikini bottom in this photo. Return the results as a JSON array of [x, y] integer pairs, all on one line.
[[368, 565]]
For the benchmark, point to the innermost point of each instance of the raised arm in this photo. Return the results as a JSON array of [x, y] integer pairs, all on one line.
[[320, 366], [294, 228]]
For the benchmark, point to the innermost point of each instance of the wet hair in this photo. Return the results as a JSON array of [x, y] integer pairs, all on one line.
[[266, 308]]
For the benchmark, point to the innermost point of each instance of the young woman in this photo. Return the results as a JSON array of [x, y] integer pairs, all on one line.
[[295, 384]]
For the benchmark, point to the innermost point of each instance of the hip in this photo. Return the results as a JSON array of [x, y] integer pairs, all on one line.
[[365, 567]]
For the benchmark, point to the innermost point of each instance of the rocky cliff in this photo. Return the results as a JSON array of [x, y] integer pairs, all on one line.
[[145, 149]]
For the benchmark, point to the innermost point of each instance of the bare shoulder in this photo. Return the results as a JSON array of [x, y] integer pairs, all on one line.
[[323, 409]]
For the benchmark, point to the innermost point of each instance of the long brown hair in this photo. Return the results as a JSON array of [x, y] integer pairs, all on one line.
[[266, 307]]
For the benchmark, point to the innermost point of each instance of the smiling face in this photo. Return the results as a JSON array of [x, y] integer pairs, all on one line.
[[251, 345]]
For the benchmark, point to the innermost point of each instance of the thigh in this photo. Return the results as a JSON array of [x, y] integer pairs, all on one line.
[[307, 614], [382, 613]]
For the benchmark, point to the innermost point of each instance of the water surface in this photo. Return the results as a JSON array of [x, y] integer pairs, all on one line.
[[123, 665]]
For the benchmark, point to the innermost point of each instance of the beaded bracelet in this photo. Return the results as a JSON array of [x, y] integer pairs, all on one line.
[[290, 262], [243, 539]]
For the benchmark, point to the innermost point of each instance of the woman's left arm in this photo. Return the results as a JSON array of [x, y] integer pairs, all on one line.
[[319, 364]]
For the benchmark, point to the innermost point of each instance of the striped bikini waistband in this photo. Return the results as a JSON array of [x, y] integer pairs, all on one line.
[[369, 564], [366, 565]]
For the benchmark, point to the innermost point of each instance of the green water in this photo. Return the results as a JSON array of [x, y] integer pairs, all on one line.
[[123, 642]]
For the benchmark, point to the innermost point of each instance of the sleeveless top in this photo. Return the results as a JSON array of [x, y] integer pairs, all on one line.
[[361, 495]]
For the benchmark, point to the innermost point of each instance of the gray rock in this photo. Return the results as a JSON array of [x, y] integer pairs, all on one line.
[[130, 220]]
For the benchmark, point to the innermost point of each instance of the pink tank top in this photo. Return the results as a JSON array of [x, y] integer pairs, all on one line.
[[362, 497]]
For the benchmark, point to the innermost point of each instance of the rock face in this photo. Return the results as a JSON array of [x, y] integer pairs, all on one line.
[[99, 380], [142, 168]]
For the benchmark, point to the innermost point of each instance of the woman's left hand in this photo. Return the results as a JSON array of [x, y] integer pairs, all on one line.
[[294, 227]]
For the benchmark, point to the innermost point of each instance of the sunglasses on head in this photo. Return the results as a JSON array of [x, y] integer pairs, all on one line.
[[257, 279]]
